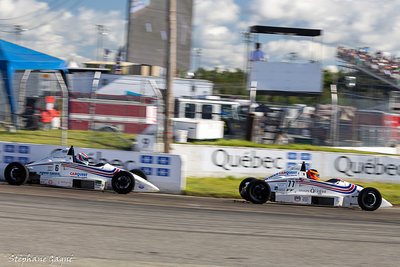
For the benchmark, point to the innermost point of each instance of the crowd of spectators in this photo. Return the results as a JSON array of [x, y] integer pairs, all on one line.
[[381, 63]]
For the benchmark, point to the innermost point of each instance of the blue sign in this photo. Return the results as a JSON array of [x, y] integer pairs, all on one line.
[[292, 155], [8, 159], [162, 172], [164, 161], [147, 159], [23, 160], [147, 170], [290, 164], [23, 149], [305, 156], [9, 148]]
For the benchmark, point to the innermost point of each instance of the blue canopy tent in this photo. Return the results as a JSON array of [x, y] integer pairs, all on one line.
[[14, 57]]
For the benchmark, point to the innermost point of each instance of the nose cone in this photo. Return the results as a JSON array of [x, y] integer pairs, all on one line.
[[142, 185], [152, 188]]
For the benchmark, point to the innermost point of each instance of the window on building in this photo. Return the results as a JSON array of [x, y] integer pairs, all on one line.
[[206, 112], [190, 111]]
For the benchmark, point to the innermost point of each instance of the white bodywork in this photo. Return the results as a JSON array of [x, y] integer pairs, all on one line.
[[59, 169], [293, 186]]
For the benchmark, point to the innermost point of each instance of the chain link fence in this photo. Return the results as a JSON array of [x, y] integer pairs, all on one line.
[[38, 106]]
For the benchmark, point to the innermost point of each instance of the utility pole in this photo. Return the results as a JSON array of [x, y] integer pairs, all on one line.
[[102, 30], [171, 69], [18, 30]]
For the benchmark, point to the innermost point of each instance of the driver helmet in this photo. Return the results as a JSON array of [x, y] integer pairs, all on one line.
[[313, 174], [82, 158]]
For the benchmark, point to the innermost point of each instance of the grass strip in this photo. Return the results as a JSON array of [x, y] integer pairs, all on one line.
[[95, 139]]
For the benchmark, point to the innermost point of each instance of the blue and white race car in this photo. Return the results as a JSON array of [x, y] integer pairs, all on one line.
[[294, 185], [62, 169]]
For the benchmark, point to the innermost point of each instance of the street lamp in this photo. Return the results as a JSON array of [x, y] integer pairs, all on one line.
[[198, 55], [102, 30]]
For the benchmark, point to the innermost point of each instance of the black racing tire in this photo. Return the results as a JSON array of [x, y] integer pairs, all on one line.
[[242, 187], [258, 191], [139, 173], [16, 173], [123, 182], [369, 199]]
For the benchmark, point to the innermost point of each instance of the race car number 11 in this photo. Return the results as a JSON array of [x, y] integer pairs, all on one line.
[[291, 183]]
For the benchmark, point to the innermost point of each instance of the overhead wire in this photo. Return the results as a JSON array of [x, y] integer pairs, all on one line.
[[78, 2], [228, 3], [33, 12]]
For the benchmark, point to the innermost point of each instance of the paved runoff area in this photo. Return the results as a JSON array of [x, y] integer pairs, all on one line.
[[46, 226]]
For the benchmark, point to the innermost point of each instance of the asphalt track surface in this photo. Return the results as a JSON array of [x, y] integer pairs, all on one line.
[[107, 229]]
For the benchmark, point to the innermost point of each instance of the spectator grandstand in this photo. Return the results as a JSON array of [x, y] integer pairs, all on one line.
[[383, 64]]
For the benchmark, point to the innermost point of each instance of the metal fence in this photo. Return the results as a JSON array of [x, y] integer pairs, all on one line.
[[320, 133]]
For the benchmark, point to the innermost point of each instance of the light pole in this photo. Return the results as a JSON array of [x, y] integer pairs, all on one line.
[[198, 55], [102, 30], [248, 38], [292, 56]]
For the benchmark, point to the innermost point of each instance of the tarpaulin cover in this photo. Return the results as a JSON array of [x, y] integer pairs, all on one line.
[[14, 57]]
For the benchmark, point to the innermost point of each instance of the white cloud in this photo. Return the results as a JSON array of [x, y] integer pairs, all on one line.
[[217, 32], [352, 23], [70, 35], [217, 28], [213, 11]]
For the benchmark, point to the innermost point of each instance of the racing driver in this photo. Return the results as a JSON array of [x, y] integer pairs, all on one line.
[[82, 158], [313, 174]]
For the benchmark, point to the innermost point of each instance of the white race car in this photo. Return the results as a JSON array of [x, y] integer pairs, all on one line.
[[61, 169], [293, 186]]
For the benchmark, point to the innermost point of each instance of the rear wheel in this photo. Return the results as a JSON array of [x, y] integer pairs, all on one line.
[[123, 182], [139, 173], [258, 191], [369, 199], [243, 186], [16, 173]]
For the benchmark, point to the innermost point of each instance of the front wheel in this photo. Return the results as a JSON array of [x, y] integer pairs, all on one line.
[[16, 173], [139, 173], [243, 187], [258, 191], [123, 182], [369, 199]]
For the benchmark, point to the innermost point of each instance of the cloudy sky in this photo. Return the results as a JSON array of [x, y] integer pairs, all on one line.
[[66, 28]]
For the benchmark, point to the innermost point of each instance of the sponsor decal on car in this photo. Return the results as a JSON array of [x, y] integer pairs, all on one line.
[[318, 191], [49, 173], [77, 174], [141, 186], [297, 198], [304, 190], [64, 183], [97, 184]]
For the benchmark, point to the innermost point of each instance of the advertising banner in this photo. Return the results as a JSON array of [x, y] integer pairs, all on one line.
[[163, 170], [287, 77], [369, 168], [214, 161]]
